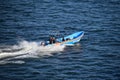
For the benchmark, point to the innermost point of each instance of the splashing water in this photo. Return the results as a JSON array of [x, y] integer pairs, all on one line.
[[26, 49]]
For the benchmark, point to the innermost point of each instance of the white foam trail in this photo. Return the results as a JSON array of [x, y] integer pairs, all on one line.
[[27, 49], [14, 62]]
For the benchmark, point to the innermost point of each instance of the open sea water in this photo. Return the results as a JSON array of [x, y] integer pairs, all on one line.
[[25, 23]]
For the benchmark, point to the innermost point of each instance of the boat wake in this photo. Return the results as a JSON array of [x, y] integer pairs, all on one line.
[[25, 49]]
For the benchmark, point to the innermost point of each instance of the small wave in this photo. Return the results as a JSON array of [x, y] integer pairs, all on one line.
[[13, 62]]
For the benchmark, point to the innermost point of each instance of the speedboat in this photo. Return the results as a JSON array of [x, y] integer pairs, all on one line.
[[69, 40]]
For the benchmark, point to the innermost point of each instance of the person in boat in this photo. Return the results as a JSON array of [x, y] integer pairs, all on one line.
[[63, 39], [52, 40]]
